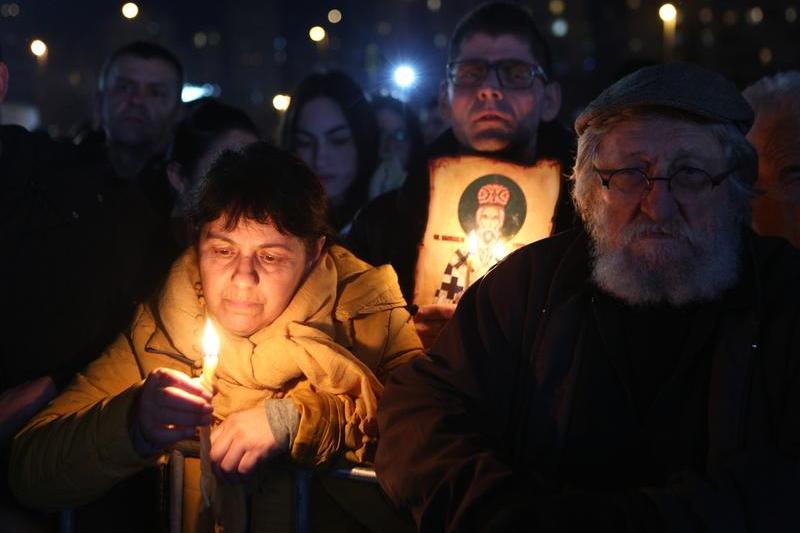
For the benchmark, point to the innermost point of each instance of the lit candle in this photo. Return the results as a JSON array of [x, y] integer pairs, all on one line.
[[210, 360], [472, 249], [499, 251], [210, 355]]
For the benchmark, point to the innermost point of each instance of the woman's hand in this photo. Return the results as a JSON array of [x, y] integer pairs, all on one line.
[[170, 407], [240, 442]]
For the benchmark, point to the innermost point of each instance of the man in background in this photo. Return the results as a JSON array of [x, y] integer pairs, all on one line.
[[138, 105], [502, 102], [776, 136], [77, 257]]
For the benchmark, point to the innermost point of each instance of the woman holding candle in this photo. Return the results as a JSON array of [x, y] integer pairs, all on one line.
[[307, 334]]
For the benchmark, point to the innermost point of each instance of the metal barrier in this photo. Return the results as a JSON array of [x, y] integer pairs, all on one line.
[[302, 482]]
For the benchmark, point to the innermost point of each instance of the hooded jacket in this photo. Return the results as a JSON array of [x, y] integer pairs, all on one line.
[[345, 329]]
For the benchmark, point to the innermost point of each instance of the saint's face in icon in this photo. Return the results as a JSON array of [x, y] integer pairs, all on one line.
[[489, 221]]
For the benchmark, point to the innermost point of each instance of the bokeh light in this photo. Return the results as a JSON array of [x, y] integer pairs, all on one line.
[[316, 33], [334, 16], [667, 12], [404, 76], [130, 10], [434, 5], [559, 27], [556, 7], [38, 48], [281, 102], [755, 15]]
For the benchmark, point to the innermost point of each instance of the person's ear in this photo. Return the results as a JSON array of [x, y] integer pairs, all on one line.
[[3, 81], [444, 101], [316, 252], [551, 101], [175, 177]]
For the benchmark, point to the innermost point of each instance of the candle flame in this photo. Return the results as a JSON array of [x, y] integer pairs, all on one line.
[[499, 251], [210, 340]]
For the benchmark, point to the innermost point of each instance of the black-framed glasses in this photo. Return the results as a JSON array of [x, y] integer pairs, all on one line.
[[685, 183], [511, 73]]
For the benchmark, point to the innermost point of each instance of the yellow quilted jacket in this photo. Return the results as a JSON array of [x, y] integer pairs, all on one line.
[[79, 445]]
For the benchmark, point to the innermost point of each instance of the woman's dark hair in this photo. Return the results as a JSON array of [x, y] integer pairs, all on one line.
[[265, 184], [413, 128], [360, 117], [207, 121]]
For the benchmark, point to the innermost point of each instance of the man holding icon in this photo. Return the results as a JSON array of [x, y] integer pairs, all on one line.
[[502, 101]]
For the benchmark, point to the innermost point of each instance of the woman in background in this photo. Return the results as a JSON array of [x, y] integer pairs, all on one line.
[[401, 143], [331, 126]]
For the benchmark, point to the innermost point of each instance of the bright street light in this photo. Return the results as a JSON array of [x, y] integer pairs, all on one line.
[[404, 76]]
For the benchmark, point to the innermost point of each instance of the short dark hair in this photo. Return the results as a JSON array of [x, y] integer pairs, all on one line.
[[360, 117], [500, 18], [265, 184], [143, 50], [207, 121]]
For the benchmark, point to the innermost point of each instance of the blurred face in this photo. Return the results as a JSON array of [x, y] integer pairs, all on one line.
[[324, 140], [140, 103], [777, 140], [655, 248], [490, 118], [250, 273], [433, 124], [394, 136]]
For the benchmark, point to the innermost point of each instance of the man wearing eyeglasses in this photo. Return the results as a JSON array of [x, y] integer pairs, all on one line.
[[501, 101], [639, 375]]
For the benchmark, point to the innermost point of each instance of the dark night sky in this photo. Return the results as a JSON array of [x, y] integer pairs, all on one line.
[[254, 49]]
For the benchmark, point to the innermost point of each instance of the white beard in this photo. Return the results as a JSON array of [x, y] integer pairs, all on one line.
[[696, 266]]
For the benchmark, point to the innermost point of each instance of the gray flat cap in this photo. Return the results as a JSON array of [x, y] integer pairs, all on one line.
[[682, 86]]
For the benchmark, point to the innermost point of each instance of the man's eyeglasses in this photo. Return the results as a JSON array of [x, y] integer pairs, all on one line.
[[511, 73], [687, 184]]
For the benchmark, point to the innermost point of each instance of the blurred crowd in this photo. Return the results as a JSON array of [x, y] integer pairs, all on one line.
[[95, 228]]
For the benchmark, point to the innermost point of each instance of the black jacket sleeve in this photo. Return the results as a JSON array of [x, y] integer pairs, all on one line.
[[443, 422]]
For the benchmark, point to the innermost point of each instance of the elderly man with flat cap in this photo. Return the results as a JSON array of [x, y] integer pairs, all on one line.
[[640, 374]]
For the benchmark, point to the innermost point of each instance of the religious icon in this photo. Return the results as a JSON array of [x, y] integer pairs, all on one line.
[[489, 219], [501, 207]]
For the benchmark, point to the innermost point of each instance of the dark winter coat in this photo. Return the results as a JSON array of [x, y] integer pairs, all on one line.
[[522, 418], [76, 255]]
